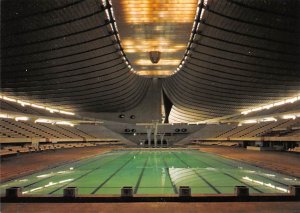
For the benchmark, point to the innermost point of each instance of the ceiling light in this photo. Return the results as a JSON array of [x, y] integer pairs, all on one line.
[[267, 119], [9, 99], [144, 62], [66, 113], [279, 103], [149, 11], [23, 103], [291, 100], [286, 101], [154, 72], [52, 110], [249, 121], [5, 116], [64, 123], [268, 106], [289, 117], [42, 120], [37, 106], [21, 118]]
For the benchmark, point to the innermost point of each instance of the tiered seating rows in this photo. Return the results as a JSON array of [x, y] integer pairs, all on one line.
[[13, 150], [20, 129], [216, 143], [260, 129], [296, 149], [16, 107]]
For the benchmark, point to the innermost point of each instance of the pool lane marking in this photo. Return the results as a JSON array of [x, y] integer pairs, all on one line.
[[168, 174], [276, 181], [65, 165], [140, 177], [200, 176], [113, 174], [86, 174], [225, 173]]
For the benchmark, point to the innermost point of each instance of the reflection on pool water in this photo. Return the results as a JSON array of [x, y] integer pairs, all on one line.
[[153, 172]]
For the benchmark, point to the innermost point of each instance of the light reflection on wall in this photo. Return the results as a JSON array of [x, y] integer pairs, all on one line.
[[154, 25]]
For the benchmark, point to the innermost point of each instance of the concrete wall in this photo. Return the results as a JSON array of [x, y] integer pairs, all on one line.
[[141, 131], [208, 131], [100, 131], [148, 110]]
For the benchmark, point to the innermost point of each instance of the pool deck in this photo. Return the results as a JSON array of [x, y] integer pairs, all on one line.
[[25, 164], [245, 207], [282, 162]]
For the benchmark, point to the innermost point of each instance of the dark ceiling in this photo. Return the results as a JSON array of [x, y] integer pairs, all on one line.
[[65, 53], [242, 53]]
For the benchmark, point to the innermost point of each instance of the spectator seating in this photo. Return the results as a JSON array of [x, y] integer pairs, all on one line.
[[10, 150]]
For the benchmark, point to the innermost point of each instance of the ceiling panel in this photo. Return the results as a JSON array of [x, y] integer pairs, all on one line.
[[154, 25]]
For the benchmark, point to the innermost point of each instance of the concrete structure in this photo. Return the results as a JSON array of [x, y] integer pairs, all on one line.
[[78, 73]]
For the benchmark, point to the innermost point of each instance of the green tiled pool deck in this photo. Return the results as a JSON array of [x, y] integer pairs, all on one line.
[[153, 172]]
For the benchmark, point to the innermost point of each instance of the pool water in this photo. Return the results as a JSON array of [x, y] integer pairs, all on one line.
[[153, 172]]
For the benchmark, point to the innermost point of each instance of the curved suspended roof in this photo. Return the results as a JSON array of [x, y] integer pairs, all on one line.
[[241, 54], [66, 53]]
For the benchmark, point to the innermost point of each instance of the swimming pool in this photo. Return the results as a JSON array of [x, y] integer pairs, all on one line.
[[153, 172]]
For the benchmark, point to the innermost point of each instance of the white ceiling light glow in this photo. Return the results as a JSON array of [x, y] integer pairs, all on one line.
[[34, 105], [279, 103], [21, 118]]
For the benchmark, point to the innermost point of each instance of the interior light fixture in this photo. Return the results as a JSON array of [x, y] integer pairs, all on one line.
[[66, 113], [23, 103], [64, 123], [289, 117], [42, 120], [157, 11], [5, 116], [268, 106], [268, 119], [37, 106], [252, 121], [147, 45], [279, 103], [145, 62], [52, 110], [9, 99], [21, 118], [154, 72]]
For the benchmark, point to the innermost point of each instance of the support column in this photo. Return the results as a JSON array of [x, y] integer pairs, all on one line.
[[149, 130], [162, 139], [155, 134]]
